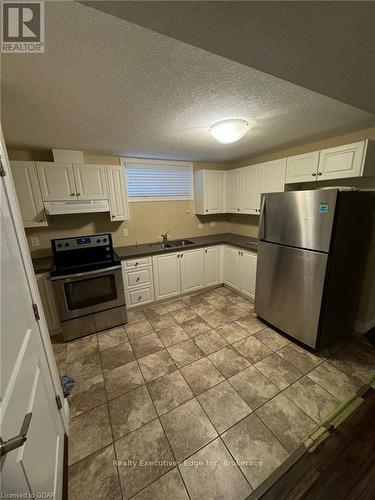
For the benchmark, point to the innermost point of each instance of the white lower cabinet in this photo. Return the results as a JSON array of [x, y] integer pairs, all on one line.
[[192, 270], [166, 275], [240, 270], [212, 266], [48, 301]]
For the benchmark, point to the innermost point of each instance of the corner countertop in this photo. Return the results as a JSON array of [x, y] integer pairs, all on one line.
[[44, 264]]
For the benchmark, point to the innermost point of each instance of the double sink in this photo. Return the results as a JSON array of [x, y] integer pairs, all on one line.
[[171, 244]]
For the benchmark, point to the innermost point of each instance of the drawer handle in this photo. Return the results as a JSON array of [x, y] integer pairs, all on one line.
[[138, 279], [313, 174], [136, 264], [139, 298]]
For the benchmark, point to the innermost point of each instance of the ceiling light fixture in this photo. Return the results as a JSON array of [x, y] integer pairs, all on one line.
[[228, 131]]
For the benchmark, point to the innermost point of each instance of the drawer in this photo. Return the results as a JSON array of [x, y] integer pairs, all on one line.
[[142, 276], [140, 296], [136, 263]]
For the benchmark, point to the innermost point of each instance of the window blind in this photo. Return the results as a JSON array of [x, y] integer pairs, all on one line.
[[159, 180]]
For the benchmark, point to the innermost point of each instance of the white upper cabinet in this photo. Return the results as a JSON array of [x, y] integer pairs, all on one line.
[[192, 275], [342, 161], [118, 200], [250, 192], [209, 192], [273, 176], [56, 181], [302, 168], [166, 275], [28, 193], [90, 181], [212, 266], [234, 191]]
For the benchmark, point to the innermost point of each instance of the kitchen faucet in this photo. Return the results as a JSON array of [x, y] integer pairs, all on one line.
[[165, 236]]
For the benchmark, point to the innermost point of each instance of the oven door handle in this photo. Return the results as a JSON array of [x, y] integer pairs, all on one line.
[[87, 273]]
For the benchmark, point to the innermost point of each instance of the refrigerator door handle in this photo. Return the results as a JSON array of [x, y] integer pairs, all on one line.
[[262, 223]]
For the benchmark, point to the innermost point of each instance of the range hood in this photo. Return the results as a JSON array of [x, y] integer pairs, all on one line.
[[75, 207]]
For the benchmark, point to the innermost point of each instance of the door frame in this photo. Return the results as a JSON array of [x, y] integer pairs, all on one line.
[[31, 280]]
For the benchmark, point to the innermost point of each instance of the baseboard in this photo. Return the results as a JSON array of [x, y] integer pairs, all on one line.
[[364, 326]]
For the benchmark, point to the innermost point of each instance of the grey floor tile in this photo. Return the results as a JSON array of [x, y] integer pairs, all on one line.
[[203, 308], [333, 380], [89, 432], [95, 477], [123, 379], [194, 299], [174, 305], [156, 365], [155, 310], [134, 316], [213, 478], [228, 361], [286, 421], [162, 321], [185, 353], [117, 356], [140, 447], [130, 411], [111, 338], [173, 335], [216, 319], [139, 329], [234, 312], [82, 346], [146, 345], [253, 387], [82, 367], [312, 399], [169, 391], [278, 371], [168, 487], [272, 339], [182, 315], [195, 326], [251, 443], [353, 364], [303, 360], [252, 349], [232, 332], [210, 342], [251, 324], [86, 395], [223, 406], [187, 428], [201, 375], [219, 301]]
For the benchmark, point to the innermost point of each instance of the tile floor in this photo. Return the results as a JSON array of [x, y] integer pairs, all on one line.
[[196, 398]]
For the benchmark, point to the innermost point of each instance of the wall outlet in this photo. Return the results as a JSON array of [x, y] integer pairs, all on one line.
[[125, 233], [35, 241], [200, 226], [212, 223]]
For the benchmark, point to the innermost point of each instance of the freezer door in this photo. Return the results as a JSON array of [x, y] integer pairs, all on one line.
[[301, 219], [289, 289]]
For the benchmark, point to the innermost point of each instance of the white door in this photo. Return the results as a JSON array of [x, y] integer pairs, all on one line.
[[341, 161], [213, 191], [234, 191], [56, 181], [211, 266], [250, 197], [166, 275], [28, 402], [302, 168], [192, 270], [273, 176], [29, 194], [248, 271], [118, 201], [231, 266], [91, 181], [48, 300]]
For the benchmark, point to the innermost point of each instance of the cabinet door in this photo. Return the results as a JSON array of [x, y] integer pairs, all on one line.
[[48, 300], [231, 266], [342, 161], [250, 192], [302, 168], [233, 191], [211, 266], [192, 270], [273, 176], [213, 191], [28, 193], [56, 181], [248, 270], [91, 181], [166, 275], [118, 200]]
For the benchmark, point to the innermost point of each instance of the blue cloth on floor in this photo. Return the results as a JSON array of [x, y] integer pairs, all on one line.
[[67, 384]]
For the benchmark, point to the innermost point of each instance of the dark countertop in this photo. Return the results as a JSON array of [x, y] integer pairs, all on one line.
[[44, 264]]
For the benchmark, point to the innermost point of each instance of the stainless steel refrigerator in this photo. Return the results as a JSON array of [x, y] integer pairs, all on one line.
[[311, 255]]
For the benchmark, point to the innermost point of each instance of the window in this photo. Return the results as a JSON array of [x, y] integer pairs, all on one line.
[[149, 180]]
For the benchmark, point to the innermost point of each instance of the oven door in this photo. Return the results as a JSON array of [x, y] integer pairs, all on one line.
[[90, 292]]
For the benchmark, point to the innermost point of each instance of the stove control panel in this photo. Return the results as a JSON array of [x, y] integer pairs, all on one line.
[[96, 240]]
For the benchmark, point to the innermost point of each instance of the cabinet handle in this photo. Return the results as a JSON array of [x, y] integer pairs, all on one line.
[[136, 264], [314, 174], [138, 279], [238, 209], [206, 210], [139, 298], [78, 194], [205, 251], [72, 194], [319, 173], [181, 255]]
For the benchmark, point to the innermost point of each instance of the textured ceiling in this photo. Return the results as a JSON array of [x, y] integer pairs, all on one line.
[[106, 85], [328, 47]]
